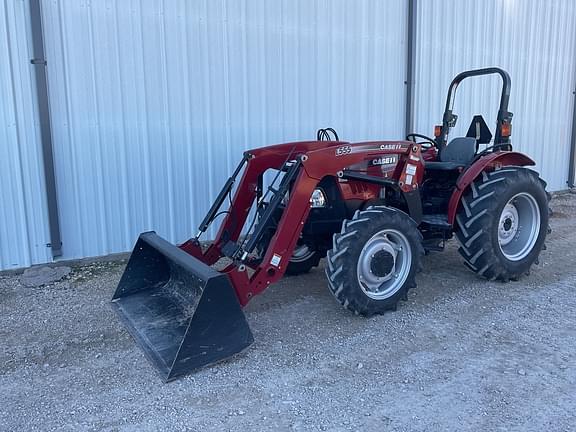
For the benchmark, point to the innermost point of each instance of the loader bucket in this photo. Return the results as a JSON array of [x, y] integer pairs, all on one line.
[[181, 312]]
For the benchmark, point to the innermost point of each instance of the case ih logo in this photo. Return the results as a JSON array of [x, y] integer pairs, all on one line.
[[386, 160], [390, 147]]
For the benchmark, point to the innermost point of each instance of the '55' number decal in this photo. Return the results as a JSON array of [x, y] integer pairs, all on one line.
[[344, 150]]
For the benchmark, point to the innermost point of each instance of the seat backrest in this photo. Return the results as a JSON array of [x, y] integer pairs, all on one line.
[[459, 150]]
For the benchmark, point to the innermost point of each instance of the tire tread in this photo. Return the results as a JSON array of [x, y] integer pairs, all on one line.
[[339, 259], [478, 213]]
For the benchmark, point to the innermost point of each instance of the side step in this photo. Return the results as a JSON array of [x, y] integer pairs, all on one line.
[[439, 228], [436, 221]]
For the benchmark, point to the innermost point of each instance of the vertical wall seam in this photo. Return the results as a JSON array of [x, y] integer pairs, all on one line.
[[410, 65], [42, 98], [572, 162]]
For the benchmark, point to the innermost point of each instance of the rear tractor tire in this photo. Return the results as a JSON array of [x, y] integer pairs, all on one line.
[[502, 223], [303, 259], [374, 260]]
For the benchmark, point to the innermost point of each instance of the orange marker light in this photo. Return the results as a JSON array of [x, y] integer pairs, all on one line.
[[506, 129], [437, 131]]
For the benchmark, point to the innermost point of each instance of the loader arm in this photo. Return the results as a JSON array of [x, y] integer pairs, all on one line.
[[311, 162]]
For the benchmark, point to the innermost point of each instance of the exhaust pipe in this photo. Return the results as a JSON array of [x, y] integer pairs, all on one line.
[[181, 312]]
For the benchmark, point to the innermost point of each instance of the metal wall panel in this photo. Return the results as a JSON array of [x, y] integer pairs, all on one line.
[[153, 102], [533, 40], [24, 229]]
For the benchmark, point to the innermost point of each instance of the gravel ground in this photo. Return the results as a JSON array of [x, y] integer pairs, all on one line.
[[461, 354]]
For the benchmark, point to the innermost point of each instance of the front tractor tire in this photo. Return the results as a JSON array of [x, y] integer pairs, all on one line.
[[374, 260], [502, 223]]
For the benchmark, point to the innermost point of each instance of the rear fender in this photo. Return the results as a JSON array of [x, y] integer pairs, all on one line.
[[490, 162]]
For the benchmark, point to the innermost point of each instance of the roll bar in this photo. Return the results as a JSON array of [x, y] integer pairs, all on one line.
[[504, 116]]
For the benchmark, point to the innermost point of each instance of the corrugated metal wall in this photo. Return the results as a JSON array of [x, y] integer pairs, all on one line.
[[153, 102], [23, 215], [534, 40]]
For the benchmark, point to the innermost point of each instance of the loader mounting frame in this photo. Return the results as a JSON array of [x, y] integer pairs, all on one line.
[[305, 165]]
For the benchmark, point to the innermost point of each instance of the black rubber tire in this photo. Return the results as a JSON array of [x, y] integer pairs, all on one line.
[[479, 215], [341, 268], [295, 268]]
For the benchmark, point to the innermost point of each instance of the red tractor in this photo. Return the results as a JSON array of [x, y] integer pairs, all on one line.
[[371, 208]]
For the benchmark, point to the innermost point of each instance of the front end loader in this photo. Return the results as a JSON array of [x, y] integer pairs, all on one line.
[[371, 208]]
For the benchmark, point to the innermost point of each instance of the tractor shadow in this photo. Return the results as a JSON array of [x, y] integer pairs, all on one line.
[[443, 275]]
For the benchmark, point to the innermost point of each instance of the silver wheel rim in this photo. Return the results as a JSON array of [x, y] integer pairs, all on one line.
[[302, 253], [519, 226], [392, 247]]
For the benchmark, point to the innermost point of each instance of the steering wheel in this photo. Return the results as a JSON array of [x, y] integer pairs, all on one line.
[[428, 142]]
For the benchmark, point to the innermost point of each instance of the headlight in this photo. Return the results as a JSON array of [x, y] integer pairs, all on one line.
[[318, 199]]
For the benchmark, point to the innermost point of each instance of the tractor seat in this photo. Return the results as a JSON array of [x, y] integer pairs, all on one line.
[[457, 154]]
